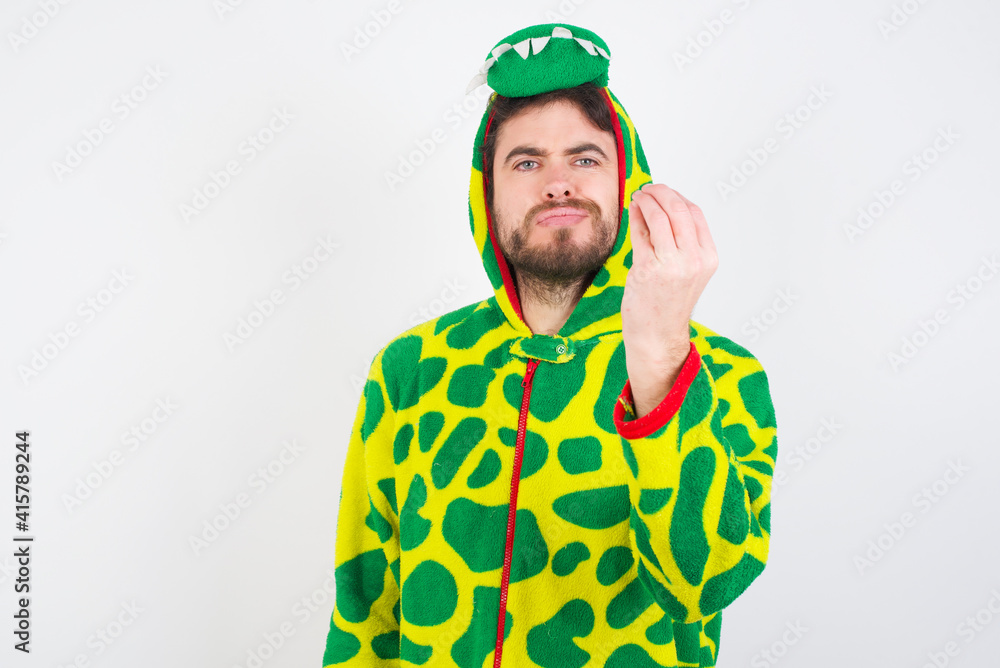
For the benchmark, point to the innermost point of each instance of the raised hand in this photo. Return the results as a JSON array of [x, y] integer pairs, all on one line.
[[673, 257]]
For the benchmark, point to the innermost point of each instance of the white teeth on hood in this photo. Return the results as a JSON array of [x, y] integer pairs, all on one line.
[[523, 48], [503, 48], [528, 46], [538, 43], [476, 82], [587, 44]]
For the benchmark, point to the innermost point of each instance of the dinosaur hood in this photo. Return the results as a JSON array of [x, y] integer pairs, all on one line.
[[535, 60]]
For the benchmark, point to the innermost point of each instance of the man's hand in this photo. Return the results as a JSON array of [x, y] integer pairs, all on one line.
[[673, 256]]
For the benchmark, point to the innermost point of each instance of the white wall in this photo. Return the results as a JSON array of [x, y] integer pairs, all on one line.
[[850, 299]]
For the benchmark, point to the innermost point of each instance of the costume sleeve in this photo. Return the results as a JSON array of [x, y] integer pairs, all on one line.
[[364, 626], [700, 489]]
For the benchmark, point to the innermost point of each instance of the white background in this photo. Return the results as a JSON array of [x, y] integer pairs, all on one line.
[[847, 300]]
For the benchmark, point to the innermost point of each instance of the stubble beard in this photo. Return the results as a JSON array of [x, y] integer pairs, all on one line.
[[561, 269]]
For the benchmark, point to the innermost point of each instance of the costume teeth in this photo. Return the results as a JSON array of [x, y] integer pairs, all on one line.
[[476, 82], [588, 45], [523, 48], [501, 49], [538, 43], [528, 46]]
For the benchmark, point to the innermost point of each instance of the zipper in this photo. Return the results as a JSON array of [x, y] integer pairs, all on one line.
[[522, 422]]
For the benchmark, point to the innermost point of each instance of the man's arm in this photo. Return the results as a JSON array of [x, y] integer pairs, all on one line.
[[364, 626], [701, 464]]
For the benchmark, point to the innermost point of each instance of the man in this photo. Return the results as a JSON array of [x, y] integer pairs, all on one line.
[[571, 472]]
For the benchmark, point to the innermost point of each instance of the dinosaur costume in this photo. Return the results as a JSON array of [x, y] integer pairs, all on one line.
[[502, 505]]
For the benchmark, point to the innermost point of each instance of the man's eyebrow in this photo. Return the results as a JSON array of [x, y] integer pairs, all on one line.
[[537, 152]]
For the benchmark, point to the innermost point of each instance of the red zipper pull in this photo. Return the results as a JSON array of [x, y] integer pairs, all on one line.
[[529, 372]]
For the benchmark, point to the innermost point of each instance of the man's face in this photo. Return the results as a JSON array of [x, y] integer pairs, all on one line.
[[555, 194]]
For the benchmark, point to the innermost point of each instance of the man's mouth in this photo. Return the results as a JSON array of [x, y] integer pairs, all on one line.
[[561, 216]]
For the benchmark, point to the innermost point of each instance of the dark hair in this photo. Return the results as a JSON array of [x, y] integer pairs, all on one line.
[[587, 97]]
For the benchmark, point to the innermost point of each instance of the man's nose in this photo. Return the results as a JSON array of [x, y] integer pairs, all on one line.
[[560, 183]]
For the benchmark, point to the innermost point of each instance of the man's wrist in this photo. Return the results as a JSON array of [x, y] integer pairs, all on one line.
[[651, 383]]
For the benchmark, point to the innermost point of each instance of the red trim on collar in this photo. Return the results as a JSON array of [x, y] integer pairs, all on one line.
[[616, 125], [508, 280]]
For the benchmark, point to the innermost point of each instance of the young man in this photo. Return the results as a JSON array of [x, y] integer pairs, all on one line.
[[571, 472]]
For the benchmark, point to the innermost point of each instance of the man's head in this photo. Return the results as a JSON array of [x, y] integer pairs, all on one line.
[[546, 152]]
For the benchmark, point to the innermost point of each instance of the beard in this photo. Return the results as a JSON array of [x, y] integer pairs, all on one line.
[[560, 269]]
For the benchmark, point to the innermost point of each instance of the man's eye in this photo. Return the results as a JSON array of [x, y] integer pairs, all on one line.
[[590, 159], [522, 162]]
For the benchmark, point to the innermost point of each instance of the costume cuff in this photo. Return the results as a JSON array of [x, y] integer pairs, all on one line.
[[628, 426]]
